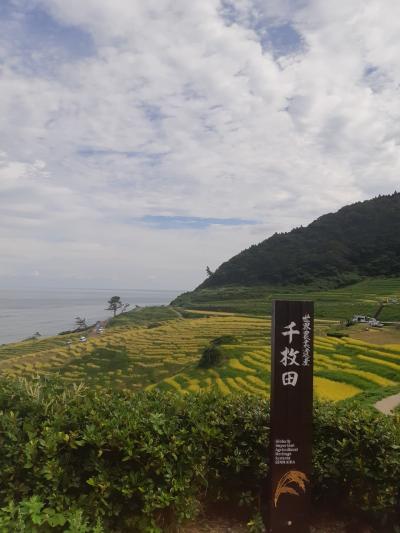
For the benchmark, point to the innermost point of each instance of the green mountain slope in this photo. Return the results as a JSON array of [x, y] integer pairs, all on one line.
[[364, 298], [360, 241]]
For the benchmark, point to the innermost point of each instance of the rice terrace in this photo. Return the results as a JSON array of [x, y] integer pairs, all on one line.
[[160, 348]]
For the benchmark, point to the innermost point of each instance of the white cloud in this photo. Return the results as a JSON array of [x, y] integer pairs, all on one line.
[[182, 112]]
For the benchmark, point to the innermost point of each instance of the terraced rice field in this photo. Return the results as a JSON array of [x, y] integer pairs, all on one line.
[[343, 368], [342, 303], [127, 357], [166, 357]]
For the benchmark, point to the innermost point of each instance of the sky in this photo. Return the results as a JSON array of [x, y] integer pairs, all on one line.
[[143, 141]]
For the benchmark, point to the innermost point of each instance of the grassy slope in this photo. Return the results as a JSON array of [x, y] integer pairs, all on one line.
[[159, 347], [343, 303]]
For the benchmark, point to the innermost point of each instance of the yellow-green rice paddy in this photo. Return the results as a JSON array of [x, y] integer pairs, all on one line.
[[166, 357]]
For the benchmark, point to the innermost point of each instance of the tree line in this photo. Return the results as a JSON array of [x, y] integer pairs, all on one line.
[[360, 240], [115, 304]]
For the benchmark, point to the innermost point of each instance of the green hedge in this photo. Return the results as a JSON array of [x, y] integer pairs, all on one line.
[[73, 459]]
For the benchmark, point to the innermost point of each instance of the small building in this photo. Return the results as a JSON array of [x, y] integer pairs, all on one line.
[[364, 319], [360, 318]]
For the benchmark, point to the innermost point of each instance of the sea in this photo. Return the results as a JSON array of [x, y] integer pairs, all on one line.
[[24, 312]]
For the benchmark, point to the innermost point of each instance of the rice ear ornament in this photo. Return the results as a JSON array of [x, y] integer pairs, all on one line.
[[293, 477]]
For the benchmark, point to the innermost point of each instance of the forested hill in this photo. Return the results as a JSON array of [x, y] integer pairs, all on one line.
[[360, 240]]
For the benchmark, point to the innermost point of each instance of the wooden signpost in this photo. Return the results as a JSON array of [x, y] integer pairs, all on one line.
[[291, 416]]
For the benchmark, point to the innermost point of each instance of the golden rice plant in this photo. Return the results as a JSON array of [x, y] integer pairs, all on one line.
[[261, 355], [328, 389], [209, 384], [258, 382], [342, 357], [175, 361], [248, 387], [331, 340], [173, 383], [331, 361], [384, 353], [194, 385], [379, 361], [323, 366], [395, 347], [149, 365], [237, 365], [255, 363], [293, 477], [233, 386], [355, 342], [323, 345], [223, 388], [375, 378]]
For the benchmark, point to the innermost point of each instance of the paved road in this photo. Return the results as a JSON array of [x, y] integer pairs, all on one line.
[[386, 405], [94, 332]]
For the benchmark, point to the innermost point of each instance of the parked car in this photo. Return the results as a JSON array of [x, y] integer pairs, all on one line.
[[82, 339], [375, 323]]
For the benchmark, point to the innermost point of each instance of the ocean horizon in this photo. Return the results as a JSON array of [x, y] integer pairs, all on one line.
[[25, 311]]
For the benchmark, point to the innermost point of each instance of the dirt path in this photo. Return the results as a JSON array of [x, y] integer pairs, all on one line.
[[387, 405], [178, 314], [94, 331]]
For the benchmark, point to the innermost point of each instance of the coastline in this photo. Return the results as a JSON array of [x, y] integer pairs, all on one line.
[[24, 312]]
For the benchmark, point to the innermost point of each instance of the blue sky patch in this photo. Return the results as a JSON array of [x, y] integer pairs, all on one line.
[[375, 78], [182, 222], [370, 70], [284, 40], [278, 37], [94, 152], [152, 159], [42, 42], [153, 112]]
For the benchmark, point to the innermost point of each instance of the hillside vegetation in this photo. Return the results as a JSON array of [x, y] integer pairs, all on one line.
[[77, 460], [342, 303], [360, 240]]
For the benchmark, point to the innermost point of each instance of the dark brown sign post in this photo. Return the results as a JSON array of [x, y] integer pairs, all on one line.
[[291, 416]]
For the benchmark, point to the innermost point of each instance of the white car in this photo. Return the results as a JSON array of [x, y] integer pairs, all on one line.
[[82, 339], [375, 323]]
